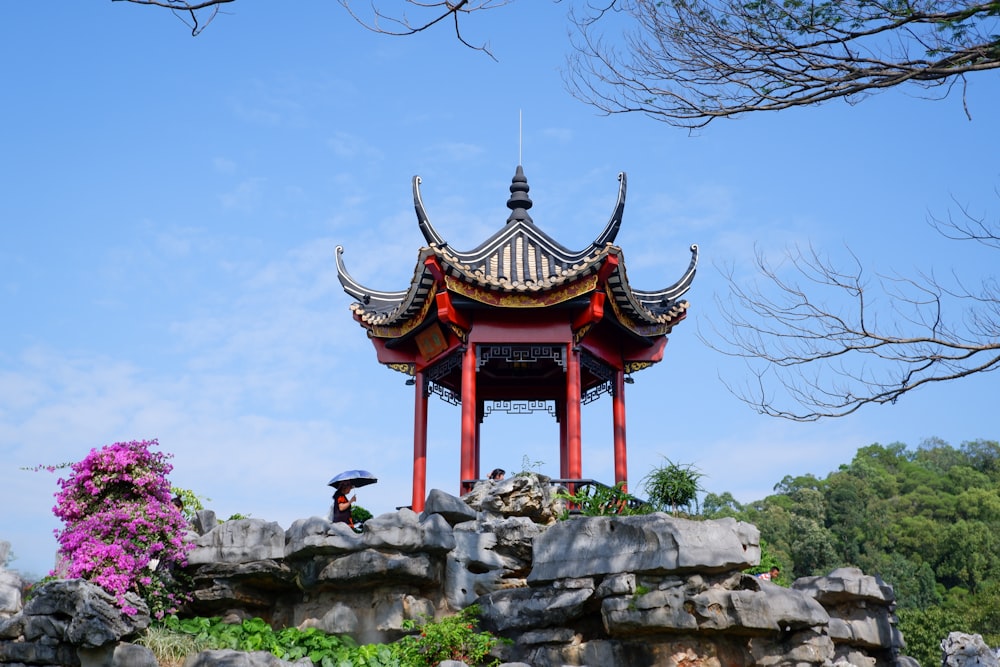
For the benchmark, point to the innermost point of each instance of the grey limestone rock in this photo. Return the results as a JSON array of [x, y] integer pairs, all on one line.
[[532, 608], [472, 568], [959, 649], [80, 613], [405, 531], [10, 584], [204, 521], [655, 543], [453, 509], [530, 496], [846, 584], [228, 658], [371, 566], [319, 536], [860, 607], [117, 655], [10, 592], [797, 649], [37, 653], [239, 541]]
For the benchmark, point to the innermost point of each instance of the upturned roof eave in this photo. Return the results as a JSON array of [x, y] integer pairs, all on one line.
[[375, 307], [554, 266]]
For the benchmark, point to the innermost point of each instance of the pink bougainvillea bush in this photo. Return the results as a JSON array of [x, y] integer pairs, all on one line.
[[121, 530]]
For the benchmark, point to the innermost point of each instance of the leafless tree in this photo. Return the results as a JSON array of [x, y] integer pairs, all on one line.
[[687, 62], [197, 14], [832, 340]]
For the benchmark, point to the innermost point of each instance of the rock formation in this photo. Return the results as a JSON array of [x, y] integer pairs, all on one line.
[[73, 622], [598, 591], [10, 585], [962, 650]]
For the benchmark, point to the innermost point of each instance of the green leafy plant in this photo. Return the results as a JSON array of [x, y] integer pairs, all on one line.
[[451, 638], [33, 588], [600, 500], [528, 466], [190, 501], [171, 647], [289, 644], [673, 486], [359, 514], [640, 590], [767, 561]]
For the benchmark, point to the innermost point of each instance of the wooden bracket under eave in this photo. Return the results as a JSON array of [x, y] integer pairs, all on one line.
[[434, 266], [593, 313], [448, 314]]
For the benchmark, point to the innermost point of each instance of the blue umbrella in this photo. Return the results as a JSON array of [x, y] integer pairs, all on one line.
[[356, 478]]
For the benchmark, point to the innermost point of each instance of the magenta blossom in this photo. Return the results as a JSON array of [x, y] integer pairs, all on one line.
[[118, 517]]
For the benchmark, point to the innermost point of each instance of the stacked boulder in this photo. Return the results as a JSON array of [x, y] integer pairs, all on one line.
[[10, 585], [597, 591], [959, 649], [402, 566], [593, 591], [650, 590], [72, 622]]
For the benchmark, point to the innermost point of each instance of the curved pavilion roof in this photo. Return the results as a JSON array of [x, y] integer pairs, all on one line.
[[520, 259]]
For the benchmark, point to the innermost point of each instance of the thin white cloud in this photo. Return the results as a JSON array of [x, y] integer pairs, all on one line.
[[245, 197], [352, 146], [224, 165]]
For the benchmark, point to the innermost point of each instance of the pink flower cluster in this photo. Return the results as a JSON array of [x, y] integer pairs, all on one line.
[[118, 517]]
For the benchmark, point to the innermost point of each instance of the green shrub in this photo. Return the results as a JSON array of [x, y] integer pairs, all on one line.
[[451, 638], [170, 647], [255, 634], [672, 486], [599, 500], [359, 514]]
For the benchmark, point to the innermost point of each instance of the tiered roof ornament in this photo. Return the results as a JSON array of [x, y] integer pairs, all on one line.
[[517, 288], [521, 259]]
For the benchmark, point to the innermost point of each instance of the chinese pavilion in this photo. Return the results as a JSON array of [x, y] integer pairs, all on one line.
[[518, 323]]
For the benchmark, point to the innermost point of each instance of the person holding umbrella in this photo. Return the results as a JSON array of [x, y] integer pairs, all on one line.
[[344, 484], [342, 505]]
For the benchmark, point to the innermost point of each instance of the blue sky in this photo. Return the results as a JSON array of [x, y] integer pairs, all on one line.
[[169, 209]]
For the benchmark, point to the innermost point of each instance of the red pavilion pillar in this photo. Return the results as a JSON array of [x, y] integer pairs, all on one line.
[[563, 448], [469, 414], [618, 416], [480, 415], [419, 444], [574, 467]]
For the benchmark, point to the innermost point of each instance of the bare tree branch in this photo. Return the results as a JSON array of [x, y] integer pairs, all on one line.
[[820, 341], [687, 62], [197, 14], [400, 25]]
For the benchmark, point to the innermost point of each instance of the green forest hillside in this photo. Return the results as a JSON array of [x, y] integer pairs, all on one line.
[[927, 520]]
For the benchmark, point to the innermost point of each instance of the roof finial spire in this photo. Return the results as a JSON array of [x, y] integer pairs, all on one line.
[[519, 201]]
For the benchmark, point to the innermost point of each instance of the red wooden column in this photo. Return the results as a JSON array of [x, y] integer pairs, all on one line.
[[469, 410], [480, 415], [563, 448], [419, 444], [574, 467], [618, 415]]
